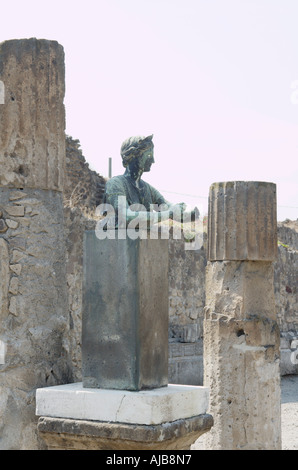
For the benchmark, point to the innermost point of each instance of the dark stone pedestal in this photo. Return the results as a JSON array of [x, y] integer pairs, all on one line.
[[125, 313]]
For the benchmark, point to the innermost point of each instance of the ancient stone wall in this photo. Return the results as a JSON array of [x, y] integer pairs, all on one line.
[[186, 312], [83, 192], [34, 323], [186, 291], [286, 294], [83, 187], [286, 276]]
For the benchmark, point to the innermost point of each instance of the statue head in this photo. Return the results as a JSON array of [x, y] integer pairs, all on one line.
[[134, 149]]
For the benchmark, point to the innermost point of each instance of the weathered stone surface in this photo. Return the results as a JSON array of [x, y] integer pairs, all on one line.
[[241, 364], [13, 307], [87, 435], [4, 278], [3, 226], [14, 285], [34, 323], [12, 223], [241, 356], [238, 290], [3, 348], [15, 195], [242, 221], [186, 291], [16, 256], [83, 187], [186, 363], [125, 313], [15, 211], [16, 268], [32, 118], [286, 277]]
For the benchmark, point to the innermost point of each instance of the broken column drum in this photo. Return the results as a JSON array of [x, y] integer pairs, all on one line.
[[241, 335]]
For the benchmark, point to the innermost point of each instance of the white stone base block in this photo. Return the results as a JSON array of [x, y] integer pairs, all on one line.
[[148, 407]]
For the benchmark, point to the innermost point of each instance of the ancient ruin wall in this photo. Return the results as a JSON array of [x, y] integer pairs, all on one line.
[[83, 187], [83, 192], [286, 276]]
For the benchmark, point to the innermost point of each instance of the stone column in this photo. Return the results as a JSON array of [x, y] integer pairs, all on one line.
[[241, 335], [33, 291], [32, 118]]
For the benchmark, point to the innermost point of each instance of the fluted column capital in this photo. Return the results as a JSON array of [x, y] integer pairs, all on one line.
[[242, 221]]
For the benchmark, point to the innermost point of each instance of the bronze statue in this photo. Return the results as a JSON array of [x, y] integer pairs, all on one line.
[[141, 199]]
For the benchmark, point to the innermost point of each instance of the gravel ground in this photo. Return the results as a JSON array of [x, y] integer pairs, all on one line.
[[289, 412]]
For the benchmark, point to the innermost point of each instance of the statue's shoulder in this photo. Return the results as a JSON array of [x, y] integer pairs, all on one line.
[[115, 182], [155, 194], [116, 179]]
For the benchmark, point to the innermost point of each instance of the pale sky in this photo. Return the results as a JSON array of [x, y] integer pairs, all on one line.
[[215, 81]]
